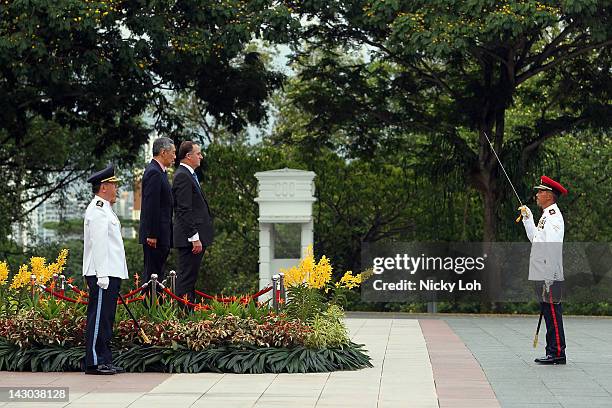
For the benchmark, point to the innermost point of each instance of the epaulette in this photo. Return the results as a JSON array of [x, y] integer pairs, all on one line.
[[100, 203]]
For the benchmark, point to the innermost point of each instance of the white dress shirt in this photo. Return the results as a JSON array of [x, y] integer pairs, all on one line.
[[195, 237]]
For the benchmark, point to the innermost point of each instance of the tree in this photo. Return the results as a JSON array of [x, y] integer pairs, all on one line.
[[453, 70], [76, 78]]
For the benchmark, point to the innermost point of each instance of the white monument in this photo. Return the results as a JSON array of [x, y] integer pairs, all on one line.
[[285, 219]]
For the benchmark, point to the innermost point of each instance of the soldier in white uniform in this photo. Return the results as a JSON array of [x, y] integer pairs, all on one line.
[[546, 265], [104, 267]]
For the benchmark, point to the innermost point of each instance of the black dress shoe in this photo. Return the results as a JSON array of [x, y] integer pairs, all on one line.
[[118, 370], [551, 360], [101, 369]]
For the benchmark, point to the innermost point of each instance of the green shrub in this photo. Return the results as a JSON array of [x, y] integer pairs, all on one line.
[[328, 330], [304, 302], [228, 359], [28, 329]]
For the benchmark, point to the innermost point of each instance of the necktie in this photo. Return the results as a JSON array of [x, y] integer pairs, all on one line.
[[195, 177]]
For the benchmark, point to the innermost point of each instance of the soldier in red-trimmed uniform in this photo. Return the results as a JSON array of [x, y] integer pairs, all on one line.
[[546, 265]]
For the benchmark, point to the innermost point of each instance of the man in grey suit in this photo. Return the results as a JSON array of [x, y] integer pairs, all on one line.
[[193, 221]]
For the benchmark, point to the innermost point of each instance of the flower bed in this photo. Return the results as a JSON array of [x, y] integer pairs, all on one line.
[[39, 332]]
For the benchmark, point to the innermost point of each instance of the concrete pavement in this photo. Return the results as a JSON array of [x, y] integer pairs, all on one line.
[[419, 361]]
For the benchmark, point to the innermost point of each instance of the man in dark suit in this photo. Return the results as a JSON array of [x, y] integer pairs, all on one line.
[[193, 221], [156, 210]]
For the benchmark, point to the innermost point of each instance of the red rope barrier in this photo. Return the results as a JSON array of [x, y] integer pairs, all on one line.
[[85, 294], [229, 299], [128, 301], [204, 295], [133, 292], [60, 296], [77, 290], [167, 291], [184, 301], [261, 292]]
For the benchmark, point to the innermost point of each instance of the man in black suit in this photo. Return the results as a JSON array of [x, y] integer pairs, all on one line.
[[193, 221], [156, 210]]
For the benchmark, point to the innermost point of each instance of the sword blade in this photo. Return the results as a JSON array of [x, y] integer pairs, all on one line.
[[502, 167]]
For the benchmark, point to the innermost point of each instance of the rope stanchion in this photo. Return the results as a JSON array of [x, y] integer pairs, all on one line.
[[172, 277], [276, 293], [283, 294], [62, 284], [32, 285]]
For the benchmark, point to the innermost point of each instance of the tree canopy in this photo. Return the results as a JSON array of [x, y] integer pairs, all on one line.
[[453, 70], [77, 77]]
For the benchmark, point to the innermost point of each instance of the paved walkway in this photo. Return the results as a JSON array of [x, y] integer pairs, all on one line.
[[475, 362], [502, 346]]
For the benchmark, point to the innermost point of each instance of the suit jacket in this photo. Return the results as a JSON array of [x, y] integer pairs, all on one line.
[[191, 212], [157, 204]]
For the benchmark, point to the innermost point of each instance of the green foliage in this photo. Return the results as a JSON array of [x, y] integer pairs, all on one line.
[[34, 340], [29, 328], [45, 359], [239, 309], [238, 360], [450, 71], [78, 77], [230, 265], [32, 328], [328, 330], [304, 302], [65, 227]]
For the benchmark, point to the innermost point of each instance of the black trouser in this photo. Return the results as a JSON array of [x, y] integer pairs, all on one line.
[[189, 267], [154, 261], [553, 316], [100, 319]]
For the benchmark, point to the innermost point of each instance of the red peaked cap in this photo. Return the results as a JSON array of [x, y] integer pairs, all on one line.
[[546, 183]]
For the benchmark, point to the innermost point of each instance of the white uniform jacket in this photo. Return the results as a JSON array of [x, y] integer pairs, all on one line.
[[103, 252], [546, 259]]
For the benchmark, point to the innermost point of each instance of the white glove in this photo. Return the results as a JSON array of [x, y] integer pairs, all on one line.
[[103, 282], [525, 211]]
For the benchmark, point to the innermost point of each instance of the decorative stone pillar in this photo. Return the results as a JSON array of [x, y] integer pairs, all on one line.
[[285, 199]]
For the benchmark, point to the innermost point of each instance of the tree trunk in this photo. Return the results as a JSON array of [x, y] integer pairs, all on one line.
[[491, 173]]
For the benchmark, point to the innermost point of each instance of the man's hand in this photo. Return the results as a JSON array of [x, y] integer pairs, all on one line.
[[197, 247], [152, 242], [525, 211], [103, 282]]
